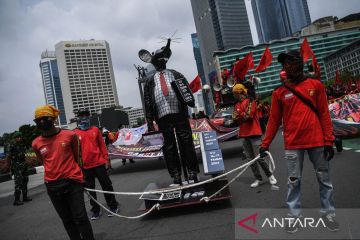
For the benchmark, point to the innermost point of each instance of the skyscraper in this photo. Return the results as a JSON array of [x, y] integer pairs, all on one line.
[[87, 76], [197, 56], [51, 83], [276, 19], [220, 25], [199, 65]]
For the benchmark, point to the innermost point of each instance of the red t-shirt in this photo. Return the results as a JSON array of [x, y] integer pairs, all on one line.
[[302, 127], [250, 126], [57, 155], [93, 149]]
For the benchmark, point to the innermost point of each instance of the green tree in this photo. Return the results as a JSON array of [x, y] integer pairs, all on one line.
[[29, 133], [140, 121]]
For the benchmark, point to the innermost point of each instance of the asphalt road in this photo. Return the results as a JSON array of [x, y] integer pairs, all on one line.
[[38, 219]]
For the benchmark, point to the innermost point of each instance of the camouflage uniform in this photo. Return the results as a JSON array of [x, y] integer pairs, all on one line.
[[19, 169]]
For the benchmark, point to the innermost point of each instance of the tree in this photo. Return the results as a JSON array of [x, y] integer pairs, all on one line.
[[29, 133], [140, 121]]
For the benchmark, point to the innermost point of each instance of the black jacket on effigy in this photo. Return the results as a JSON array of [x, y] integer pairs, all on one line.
[[149, 99]]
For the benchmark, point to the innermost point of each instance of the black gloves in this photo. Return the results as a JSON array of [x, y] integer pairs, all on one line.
[[328, 152], [262, 152]]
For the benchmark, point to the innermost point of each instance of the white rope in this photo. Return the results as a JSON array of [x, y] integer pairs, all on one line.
[[272, 168], [206, 199], [156, 206]]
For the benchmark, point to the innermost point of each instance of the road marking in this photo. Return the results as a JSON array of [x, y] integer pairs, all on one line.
[[357, 151], [346, 148]]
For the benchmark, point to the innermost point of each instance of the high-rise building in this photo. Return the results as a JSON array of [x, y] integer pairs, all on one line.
[[51, 83], [325, 45], [276, 19], [134, 114], [220, 25], [345, 59], [87, 76], [197, 54]]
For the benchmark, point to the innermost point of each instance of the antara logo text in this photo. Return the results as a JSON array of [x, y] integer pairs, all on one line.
[[280, 222]]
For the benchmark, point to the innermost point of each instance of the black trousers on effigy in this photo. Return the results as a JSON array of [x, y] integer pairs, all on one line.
[[181, 124]]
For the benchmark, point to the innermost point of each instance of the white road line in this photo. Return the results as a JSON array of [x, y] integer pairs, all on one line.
[[357, 151], [346, 148]]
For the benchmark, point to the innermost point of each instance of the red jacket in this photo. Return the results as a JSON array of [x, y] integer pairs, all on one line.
[[93, 149], [302, 127], [248, 121], [57, 154]]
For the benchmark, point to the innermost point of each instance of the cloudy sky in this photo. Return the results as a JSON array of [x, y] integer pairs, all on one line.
[[28, 27]]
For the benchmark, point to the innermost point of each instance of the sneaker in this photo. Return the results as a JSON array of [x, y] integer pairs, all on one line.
[[331, 223], [272, 180], [95, 216], [193, 177], [177, 179], [290, 227], [124, 161], [18, 203], [131, 161], [116, 210], [255, 184]]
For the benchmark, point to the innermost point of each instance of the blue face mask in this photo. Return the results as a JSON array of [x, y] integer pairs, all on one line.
[[84, 123]]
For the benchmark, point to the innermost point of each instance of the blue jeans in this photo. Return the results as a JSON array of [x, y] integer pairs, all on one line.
[[295, 159]]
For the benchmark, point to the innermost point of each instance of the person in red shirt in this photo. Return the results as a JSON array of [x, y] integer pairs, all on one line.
[[245, 112], [59, 151], [302, 107], [96, 162]]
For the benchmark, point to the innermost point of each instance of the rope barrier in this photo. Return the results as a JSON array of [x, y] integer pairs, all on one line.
[[205, 199], [156, 206], [165, 190]]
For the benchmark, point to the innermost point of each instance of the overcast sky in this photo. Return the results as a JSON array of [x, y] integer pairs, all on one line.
[[28, 27]]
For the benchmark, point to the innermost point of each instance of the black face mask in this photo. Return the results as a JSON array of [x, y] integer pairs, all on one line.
[[45, 124]]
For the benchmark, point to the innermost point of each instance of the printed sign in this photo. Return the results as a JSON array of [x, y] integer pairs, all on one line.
[[211, 153], [181, 87]]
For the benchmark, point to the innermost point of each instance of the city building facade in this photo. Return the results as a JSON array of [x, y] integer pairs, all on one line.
[[134, 114], [87, 76], [277, 19], [220, 25], [51, 84], [199, 65], [344, 59], [322, 45]]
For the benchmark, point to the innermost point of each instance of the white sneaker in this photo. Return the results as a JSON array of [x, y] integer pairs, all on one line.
[[272, 180], [255, 184]]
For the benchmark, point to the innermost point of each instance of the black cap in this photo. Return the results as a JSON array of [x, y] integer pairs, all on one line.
[[83, 112], [292, 55]]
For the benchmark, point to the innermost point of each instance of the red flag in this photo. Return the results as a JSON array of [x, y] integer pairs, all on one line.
[[317, 68], [358, 84], [250, 60], [195, 84], [305, 50], [337, 78], [242, 66], [265, 60], [225, 74], [349, 83]]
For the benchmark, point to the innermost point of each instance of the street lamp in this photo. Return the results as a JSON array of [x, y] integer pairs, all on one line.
[[98, 113], [207, 101]]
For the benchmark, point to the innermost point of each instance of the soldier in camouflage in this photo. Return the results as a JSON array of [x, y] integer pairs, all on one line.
[[16, 154]]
